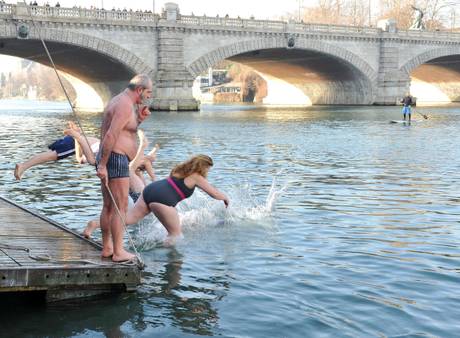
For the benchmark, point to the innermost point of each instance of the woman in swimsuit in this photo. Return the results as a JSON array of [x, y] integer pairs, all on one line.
[[161, 197]]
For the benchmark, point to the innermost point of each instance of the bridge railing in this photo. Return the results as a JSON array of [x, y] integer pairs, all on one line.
[[306, 27], [273, 25], [100, 14], [150, 19], [79, 13], [428, 34], [231, 22], [6, 8]]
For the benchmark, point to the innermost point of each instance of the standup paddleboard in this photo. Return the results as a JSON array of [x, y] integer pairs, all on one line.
[[407, 122]]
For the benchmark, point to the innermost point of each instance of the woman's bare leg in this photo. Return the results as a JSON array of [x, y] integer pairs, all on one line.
[[40, 158], [168, 216], [139, 211]]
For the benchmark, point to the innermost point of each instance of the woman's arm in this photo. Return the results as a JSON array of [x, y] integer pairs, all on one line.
[[204, 185]]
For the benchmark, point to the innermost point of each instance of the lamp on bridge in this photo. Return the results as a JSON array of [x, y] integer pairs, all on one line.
[[291, 41], [23, 31]]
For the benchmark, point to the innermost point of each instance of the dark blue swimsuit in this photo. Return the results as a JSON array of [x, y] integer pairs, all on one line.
[[164, 192]]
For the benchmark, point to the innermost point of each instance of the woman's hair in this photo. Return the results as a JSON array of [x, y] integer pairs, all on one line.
[[197, 164]]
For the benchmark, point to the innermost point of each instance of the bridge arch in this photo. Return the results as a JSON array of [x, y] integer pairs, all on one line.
[[65, 42], [422, 58], [434, 75], [328, 92]]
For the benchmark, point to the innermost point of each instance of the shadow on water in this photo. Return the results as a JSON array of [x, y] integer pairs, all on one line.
[[187, 304], [121, 315], [105, 315]]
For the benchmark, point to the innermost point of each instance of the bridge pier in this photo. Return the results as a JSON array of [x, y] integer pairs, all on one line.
[[174, 99], [392, 85], [173, 83]]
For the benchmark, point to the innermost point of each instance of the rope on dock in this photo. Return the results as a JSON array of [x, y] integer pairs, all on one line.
[[49, 259]]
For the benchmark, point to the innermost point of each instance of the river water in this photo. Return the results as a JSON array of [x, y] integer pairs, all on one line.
[[340, 225]]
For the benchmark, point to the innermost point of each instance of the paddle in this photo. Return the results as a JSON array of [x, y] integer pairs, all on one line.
[[424, 116]]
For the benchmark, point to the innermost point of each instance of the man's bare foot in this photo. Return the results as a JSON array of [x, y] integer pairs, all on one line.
[[18, 171], [123, 256], [107, 251], [90, 227]]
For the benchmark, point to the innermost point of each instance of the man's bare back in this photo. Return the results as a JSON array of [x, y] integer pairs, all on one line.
[[126, 143]]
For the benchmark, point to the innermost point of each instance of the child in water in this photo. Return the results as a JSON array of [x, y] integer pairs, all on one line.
[[161, 197]]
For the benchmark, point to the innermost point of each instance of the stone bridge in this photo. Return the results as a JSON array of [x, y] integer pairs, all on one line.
[[328, 64]]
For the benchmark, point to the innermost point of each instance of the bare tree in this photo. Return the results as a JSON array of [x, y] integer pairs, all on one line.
[[437, 13]]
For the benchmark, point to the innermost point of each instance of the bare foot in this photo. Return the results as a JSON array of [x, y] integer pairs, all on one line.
[[73, 126], [171, 240], [18, 171], [70, 132], [90, 227], [107, 252], [123, 256], [154, 150]]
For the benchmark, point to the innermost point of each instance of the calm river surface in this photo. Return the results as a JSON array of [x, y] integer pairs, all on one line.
[[340, 225]]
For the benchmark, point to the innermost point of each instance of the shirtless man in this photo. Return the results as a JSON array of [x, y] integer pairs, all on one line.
[[118, 147]]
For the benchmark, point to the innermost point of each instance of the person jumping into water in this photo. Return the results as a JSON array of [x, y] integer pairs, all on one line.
[[161, 197], [58, 150]]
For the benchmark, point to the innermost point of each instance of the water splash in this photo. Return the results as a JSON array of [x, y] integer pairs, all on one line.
[[201, 212]]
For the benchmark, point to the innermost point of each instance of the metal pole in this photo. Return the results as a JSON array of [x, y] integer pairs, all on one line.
[[298, 17], [369, 13], [153, 6]]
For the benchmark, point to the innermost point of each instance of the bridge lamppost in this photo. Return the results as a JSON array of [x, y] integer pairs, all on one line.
[[300, 5], [369, 13]]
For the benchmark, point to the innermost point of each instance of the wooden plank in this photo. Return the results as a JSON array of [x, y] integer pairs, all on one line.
[[67, 273]]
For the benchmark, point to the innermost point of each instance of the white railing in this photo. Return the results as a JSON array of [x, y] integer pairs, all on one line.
[[142, 18], [274, 25], [6, 8], [231, 22], [428, 34], [306, 27], [83, 13]]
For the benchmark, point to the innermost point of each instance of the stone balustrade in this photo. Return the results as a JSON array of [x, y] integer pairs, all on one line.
[[150, 19]]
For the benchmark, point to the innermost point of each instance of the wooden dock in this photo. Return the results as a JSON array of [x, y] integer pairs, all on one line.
[[40, 255]]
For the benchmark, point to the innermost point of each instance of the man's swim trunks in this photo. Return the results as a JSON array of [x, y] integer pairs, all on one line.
[[117, 165], [64, 147]]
